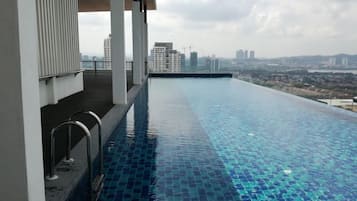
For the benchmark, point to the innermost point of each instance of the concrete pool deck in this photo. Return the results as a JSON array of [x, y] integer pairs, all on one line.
[[191, 75]]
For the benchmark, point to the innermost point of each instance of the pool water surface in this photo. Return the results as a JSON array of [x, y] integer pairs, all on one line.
[[224, 139]]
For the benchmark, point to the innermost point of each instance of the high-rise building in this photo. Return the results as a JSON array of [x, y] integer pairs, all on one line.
[[168, 45], [245, 54], [174, 61], [212, 63], [216, 65], [345, 61], [240, 55], [332, 61], [208, 62], [158, 57], [194, 59], [251, 55], [183, 61], [164, 58], [108, 53]]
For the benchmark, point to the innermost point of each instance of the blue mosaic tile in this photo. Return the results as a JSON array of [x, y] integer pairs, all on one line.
[[151, 157], [282, 146], [218, 139]]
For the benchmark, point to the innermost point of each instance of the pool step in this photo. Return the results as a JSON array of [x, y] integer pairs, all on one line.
[[97, 186]]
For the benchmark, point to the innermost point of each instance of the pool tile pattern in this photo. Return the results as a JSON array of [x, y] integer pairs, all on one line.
[[218, 139], [278, 147], [163, 159]]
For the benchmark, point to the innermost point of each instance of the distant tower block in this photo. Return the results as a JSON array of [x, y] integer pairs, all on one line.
[[194, 59], [246, 54], [240, 55], [332, 61], [165, 58], [108, 53], [251, 55], [183, 61], [345, 61]]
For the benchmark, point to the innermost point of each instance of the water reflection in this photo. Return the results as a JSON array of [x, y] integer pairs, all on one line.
[[160, 152], [130, 156]]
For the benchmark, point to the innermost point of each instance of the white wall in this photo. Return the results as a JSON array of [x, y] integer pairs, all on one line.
[[55, 89]]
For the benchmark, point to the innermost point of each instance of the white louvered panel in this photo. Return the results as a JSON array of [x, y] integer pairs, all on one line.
[[52, 46], [40, 40], [74, 17], [67, 30], [46, 37], [64, 36], [62, 57], [58, 37], [77, 58], [74, 35], [70, 34]]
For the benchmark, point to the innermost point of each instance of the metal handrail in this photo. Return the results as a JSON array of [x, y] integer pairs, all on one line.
[[100, 65], [99, 123], [60, 75], [52, 175]]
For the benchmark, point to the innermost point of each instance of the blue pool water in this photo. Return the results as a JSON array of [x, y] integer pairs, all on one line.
[[224, 139]]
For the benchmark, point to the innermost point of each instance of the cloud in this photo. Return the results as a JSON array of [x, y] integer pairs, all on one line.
[[209, 10], [95, 27], [222, 26]]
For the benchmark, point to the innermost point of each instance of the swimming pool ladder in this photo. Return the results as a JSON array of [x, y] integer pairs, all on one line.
[[97, 184]]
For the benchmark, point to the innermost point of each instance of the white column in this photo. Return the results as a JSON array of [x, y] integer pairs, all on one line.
[[137, 44], [146, 45], [21, 161], [118, 52], [143, 45]]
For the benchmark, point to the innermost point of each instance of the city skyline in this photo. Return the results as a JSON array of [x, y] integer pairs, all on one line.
[[273, 28]]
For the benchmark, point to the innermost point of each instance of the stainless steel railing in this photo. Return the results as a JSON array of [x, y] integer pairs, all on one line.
[[96, 184], [69, 144], [52, 175]]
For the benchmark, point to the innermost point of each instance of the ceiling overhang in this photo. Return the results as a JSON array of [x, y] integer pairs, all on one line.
[[104, 5]]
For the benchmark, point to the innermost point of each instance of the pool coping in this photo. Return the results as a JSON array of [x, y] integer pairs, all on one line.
[[192, 75], [71, 174]]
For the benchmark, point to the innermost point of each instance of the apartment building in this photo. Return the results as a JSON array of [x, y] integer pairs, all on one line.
[[164, 58]]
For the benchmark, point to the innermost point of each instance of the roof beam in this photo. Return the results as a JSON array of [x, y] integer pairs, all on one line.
[[104, 5]]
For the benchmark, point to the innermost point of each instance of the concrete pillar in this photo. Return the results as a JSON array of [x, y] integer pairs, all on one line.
[[118, 52], [146, 41], [137, 43], [22, 176], [143, 45], [143, 57]]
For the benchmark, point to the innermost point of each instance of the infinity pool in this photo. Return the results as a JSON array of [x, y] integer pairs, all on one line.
[[224, 139]]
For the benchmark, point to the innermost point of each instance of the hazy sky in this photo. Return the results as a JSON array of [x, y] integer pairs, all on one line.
[[272, 28]]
